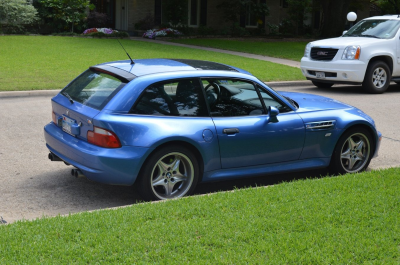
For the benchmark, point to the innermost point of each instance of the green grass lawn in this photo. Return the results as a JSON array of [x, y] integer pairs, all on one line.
[[350, 219], [48, 62], [286, 50]]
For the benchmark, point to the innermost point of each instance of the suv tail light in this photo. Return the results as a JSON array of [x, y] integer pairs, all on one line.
[[103, 138]]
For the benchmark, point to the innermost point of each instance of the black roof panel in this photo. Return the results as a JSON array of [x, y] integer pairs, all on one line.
[[205, 65]]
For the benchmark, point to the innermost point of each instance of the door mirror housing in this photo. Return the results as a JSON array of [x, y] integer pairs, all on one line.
[[344, 32], [272, 113]]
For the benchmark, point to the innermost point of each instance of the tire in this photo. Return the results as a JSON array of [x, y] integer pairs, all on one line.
[[321, 84], [353, 152], [377, 77], [171, 172]]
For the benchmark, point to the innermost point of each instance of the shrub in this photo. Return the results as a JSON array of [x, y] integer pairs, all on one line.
[[15, 15], [145, 23], [166, 32], [97, 20], [204, 30], [105, 32]]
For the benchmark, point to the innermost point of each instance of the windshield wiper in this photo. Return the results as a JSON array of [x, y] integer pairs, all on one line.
[[68, 96], [371, 36]]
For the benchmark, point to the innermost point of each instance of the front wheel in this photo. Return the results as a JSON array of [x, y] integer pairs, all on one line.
[[377, 77], [171, 172], [321, 84], [353, 152]]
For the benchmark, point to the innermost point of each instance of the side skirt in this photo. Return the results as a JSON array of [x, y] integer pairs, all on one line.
[[254, 171]]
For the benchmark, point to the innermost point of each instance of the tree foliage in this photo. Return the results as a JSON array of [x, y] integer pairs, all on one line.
[[64, 14], [15, 15], [388, 6], [233, 9], [176, 12], [298, 11]]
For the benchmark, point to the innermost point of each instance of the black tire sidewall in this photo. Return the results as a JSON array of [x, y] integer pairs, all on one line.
[[369, 85], [336, 165], [143, 183]]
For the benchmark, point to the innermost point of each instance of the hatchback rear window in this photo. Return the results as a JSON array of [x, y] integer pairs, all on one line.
[[93, 89]]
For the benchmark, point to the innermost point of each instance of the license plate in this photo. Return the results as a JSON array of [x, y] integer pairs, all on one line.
[[66, 124], [320, 74]]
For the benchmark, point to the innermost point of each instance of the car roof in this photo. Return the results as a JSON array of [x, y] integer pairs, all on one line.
[[142, 67]]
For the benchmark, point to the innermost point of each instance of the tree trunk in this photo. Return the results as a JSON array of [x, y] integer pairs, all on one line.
[[334, 17]]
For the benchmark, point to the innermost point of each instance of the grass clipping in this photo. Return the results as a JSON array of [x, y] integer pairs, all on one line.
[[350, 219]]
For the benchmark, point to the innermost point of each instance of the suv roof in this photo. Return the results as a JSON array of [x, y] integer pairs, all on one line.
[[385, 17], [142, 67]]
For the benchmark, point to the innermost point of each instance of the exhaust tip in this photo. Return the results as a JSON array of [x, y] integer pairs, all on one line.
[[53, 157], [77, 173]]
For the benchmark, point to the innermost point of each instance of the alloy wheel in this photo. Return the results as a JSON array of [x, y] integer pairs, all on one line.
[[172, 176], [355, 152]]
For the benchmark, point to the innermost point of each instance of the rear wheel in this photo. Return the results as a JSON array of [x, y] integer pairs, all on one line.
[[353, 152], [377, 77], [321, 84], [171, 172]]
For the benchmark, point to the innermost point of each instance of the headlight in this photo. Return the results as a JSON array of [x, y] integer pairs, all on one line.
[[307, 50], [351, 53]]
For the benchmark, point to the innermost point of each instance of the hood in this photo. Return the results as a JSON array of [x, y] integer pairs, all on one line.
[[343, 42], [309, 102]]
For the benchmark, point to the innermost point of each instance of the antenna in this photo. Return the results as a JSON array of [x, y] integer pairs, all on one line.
[[132, 62]]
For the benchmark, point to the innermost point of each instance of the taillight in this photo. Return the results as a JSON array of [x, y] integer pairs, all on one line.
[[54, 118], [103, 138]]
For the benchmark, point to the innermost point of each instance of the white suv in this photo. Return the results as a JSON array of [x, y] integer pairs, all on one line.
[[367, 54]]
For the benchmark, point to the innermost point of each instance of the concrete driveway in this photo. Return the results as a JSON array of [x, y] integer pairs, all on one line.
[[32, 186]]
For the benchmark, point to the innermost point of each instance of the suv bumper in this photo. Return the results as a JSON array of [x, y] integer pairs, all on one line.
[[118, 166], [336, 71]]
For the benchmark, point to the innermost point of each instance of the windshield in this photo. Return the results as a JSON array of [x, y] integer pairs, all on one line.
[[374, 28], [93, 89]]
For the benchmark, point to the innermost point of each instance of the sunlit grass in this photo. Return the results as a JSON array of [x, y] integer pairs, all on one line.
[[350, 219], [286, 50], [48, 62]]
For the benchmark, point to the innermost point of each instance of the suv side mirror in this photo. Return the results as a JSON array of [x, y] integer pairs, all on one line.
[[344, 32]]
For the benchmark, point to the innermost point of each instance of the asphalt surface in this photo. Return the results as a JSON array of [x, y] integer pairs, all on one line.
[[32, 186]]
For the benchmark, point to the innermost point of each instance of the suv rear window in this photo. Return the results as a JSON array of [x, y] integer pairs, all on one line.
[[94, 89]]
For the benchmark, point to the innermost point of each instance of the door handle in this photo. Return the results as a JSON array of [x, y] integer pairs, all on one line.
[[230, 131]]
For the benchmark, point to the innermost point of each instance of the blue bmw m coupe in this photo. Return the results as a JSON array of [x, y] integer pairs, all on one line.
[[164, 125]]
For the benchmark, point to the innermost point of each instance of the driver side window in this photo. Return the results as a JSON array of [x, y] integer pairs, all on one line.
[[231, 98]]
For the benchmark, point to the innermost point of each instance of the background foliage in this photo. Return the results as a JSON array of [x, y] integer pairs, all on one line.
[[64, 15], [15, 14]]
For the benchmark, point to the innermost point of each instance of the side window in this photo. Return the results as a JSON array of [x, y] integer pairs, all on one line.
[[231, 97], [172, 98], [270, 101]]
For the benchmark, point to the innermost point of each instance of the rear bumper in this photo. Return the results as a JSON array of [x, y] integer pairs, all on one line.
[[119, 166], [336, 71]]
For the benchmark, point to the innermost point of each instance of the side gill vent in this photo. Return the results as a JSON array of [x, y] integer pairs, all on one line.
[[320, 125]]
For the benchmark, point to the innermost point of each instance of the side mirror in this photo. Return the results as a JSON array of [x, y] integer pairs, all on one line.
[[272, 113], [344, 32]]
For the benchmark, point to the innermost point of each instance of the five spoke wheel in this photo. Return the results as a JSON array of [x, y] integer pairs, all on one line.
[[353, 152], [172, 176], [170, 172]]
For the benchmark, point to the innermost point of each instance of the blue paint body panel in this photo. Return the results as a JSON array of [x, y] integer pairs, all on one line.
[[260, 147]]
